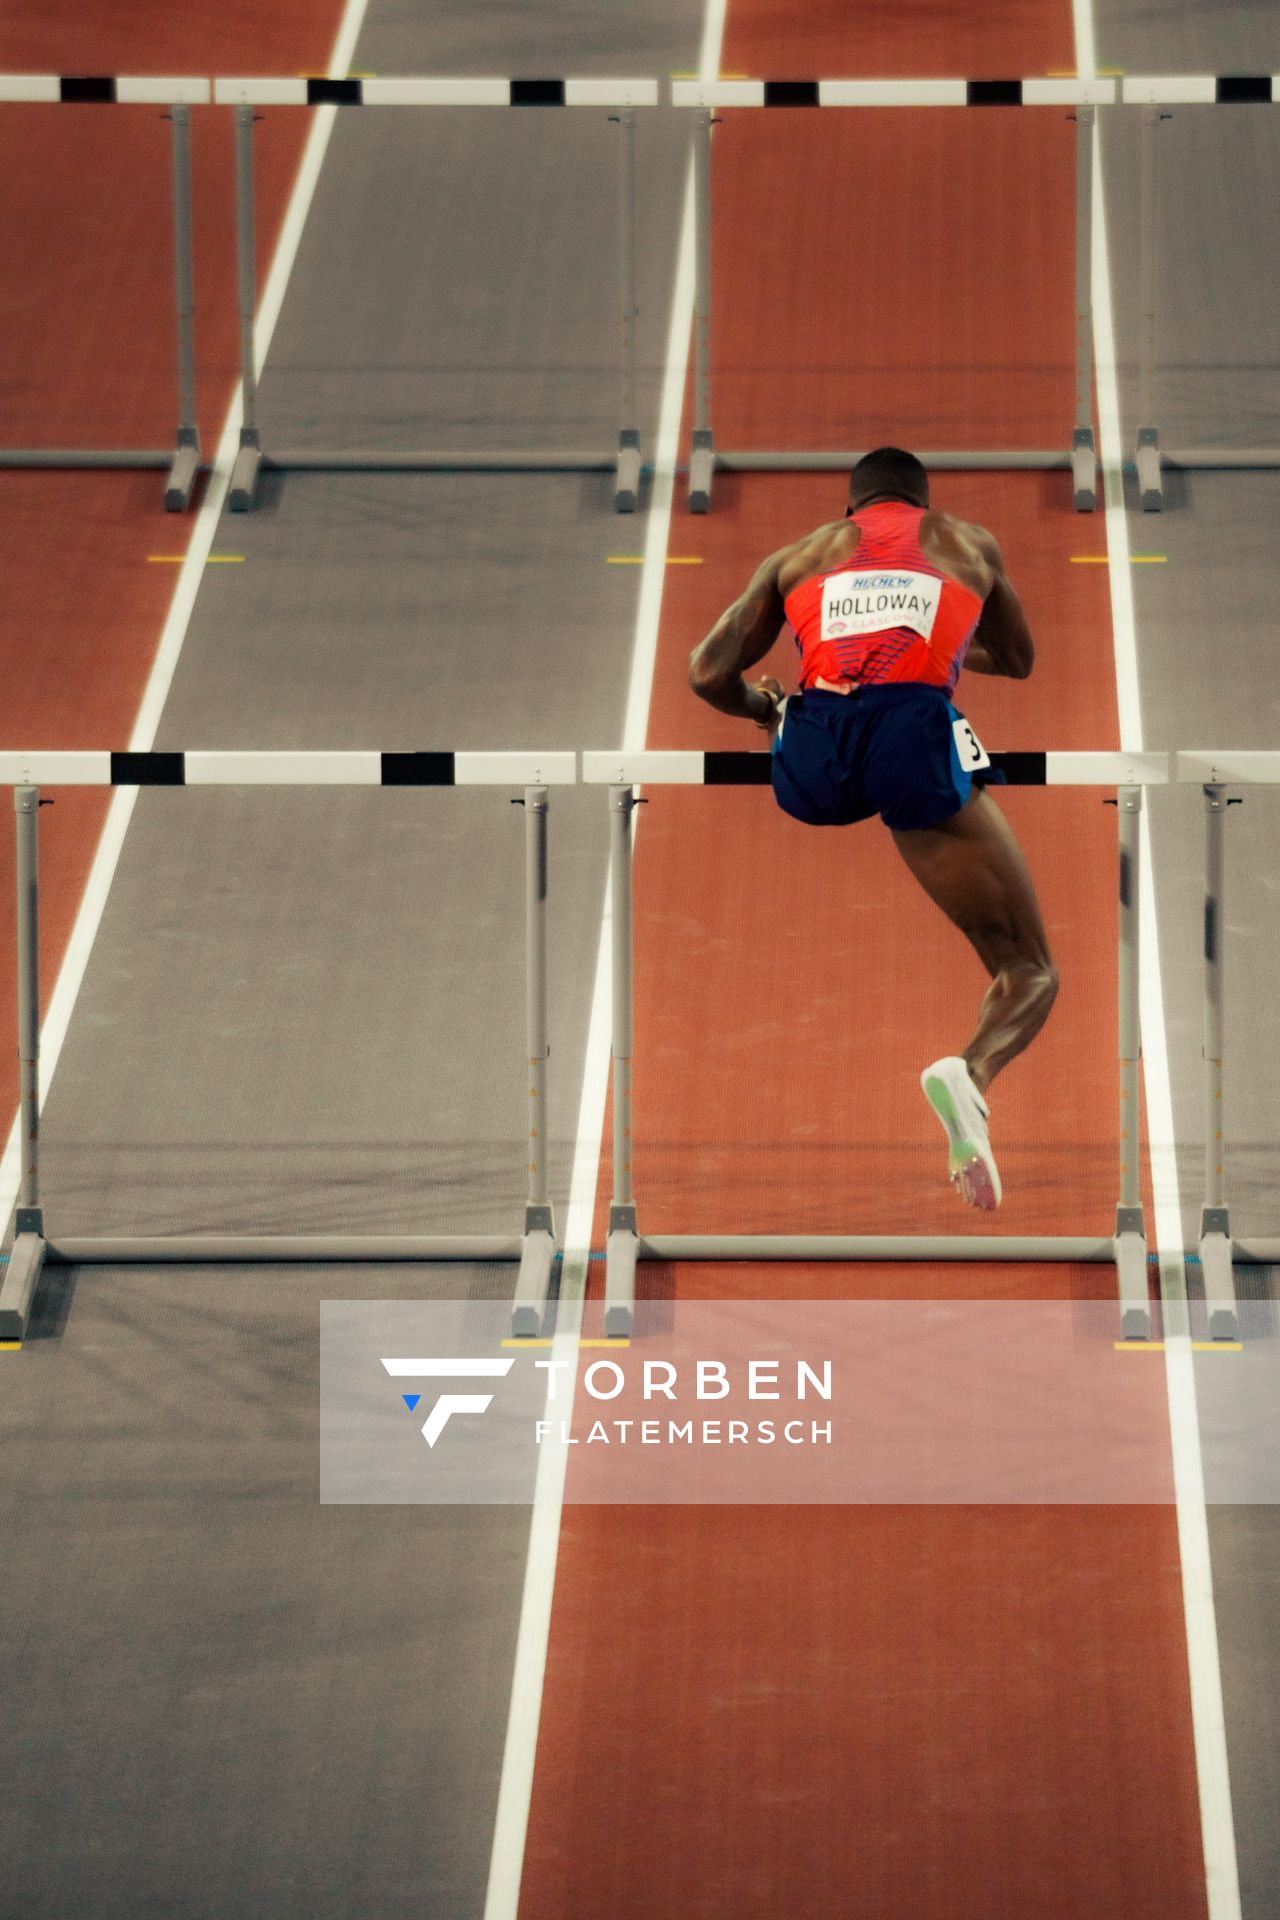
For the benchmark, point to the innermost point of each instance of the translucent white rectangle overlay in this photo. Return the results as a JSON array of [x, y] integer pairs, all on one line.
[[864, 1402]]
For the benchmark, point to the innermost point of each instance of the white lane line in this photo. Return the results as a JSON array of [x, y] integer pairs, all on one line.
[[102, 872], [1208, 1719], [515, 1789]]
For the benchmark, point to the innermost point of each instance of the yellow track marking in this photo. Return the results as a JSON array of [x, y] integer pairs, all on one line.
[[9, 1346], [550, 1343], [1197, 1346], [1135, 559], [637, 559], [212, 560]]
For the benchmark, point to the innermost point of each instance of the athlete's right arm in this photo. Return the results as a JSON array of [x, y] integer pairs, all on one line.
[[1002, 642], [740, 638]]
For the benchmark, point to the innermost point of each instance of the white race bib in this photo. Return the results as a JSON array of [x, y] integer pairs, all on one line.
[[877, 599], [973, 754]]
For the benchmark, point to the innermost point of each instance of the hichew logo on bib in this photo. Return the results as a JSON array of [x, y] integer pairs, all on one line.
[[874, 601]]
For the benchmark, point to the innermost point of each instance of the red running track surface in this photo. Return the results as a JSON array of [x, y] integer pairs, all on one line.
[[89, 355], [892, 1713]]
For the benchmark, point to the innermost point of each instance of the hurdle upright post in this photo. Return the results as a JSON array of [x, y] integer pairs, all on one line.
[[1150, 486], [1130, 1235], [702, 459], [627, 485], [539, 1245], [186, 460], [27, 1255], [623, 1244], [1216, 1250], [244, 474], [1084, 457]]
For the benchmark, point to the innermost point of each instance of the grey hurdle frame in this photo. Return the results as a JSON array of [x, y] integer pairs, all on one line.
[[1220, 1251], [254, 458], [627, 1244], [1083, 96], [1156, 95], [33, 1248], [178, 96]]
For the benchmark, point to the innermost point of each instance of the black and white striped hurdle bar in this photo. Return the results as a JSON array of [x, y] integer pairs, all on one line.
[[428, 92], [317, 91], [1134, 90], [893, 93], [160, 769], [1201, 89], [726, 769], [1226, 767], [91, 89]]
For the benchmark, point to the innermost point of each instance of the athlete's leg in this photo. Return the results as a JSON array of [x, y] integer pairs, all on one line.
[[973, 868]]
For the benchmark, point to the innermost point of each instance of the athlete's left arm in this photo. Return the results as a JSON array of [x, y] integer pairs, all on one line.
[[743, 635]]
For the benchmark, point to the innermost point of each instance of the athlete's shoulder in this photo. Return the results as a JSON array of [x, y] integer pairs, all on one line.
[[963, 546], [812, 553]]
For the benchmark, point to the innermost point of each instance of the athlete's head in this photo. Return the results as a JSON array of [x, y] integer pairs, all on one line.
[[888, 474]]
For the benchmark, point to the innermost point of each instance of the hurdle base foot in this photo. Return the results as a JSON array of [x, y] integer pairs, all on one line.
[[1219, 1286], [533, 1283], [243, 490], [1150, 483], [621, 1251], [181, 482], [626, 491], [1084, 471], [21, 1276], [702, 465], [1131, 1277]]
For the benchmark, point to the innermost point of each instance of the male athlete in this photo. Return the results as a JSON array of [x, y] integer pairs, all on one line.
[[886, 606]]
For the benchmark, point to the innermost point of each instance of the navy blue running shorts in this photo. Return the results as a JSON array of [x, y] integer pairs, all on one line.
[[898, 749]]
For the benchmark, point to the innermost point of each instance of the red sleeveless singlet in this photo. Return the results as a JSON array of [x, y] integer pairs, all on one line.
[[885, 614]]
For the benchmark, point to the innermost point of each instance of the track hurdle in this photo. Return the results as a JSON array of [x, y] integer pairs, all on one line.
[[1130, 774], [1085, 95], [1155, 94], [246, 95], [33, 1247], [1219, 1250], [179, 96]]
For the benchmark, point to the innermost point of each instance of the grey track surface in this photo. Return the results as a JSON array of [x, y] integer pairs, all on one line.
[[1206, 648], [304, 1011]]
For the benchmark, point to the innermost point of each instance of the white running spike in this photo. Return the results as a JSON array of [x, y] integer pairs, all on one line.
[[963, 1112]]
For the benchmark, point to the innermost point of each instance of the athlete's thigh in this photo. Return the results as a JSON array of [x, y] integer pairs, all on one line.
[[973, 868]]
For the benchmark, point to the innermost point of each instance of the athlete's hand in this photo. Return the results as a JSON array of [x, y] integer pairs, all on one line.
[[773, 688]]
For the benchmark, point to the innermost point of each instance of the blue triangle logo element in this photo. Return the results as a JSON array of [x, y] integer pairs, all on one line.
[[411, 1400]]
